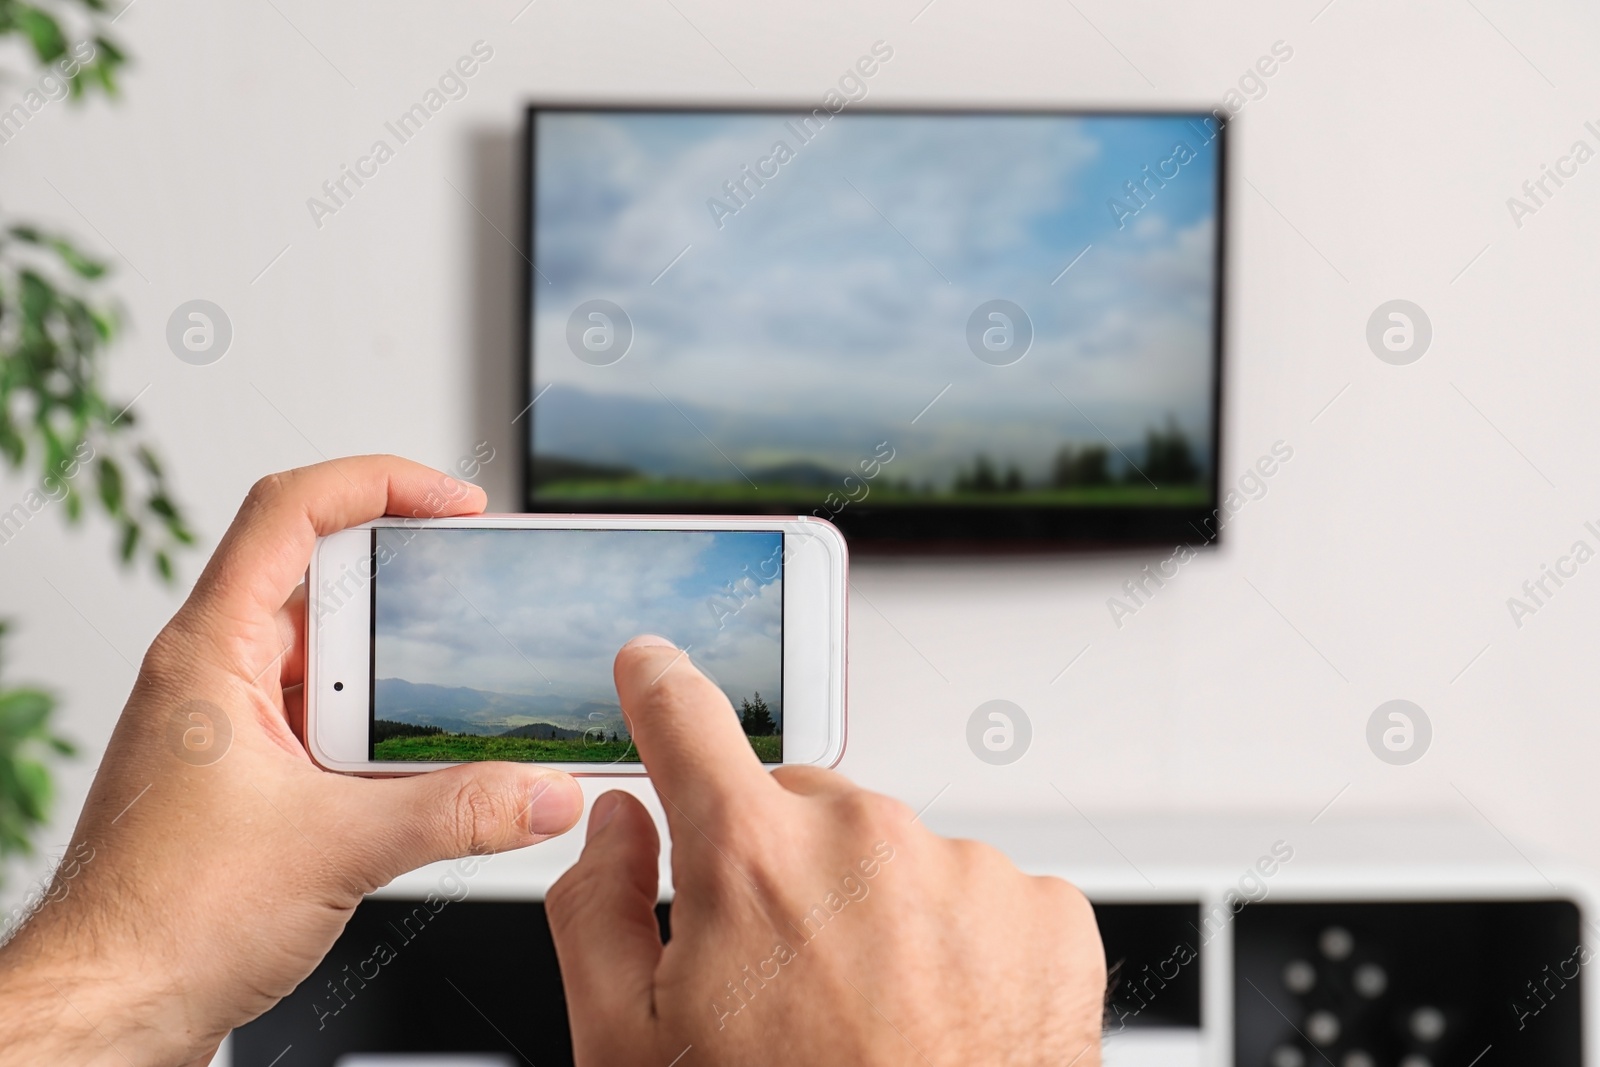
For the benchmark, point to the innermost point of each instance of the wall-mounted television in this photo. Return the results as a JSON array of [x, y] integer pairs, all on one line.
[[939, 328]]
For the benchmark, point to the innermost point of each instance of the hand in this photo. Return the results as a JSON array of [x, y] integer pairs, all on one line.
[[221, 862], [813, 922]]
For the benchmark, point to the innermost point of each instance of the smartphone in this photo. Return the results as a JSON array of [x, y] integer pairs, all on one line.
[[431, 642]]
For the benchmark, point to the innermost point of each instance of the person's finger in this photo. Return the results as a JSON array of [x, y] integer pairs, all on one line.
[[603, 920], [470, 809], [294, 714], [812, 781], [688, 736], [264, 554], [292, 638]]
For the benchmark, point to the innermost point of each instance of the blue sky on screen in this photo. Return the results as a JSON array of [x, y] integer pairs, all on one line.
[[492, 609], [831, 307]]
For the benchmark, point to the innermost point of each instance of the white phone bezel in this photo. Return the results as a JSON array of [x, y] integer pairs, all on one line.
[[339, 635]]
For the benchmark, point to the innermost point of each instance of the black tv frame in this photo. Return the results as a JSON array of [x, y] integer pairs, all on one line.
[[920, 529]]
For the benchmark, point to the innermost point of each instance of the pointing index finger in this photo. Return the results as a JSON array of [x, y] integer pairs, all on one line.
[[688, 736]]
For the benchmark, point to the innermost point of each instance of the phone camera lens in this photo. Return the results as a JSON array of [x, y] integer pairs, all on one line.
[[338, 687]]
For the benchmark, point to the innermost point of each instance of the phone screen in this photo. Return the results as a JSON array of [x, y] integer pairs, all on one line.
[[497, 644]]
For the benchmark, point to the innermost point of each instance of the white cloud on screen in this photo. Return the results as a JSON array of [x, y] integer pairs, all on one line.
[[809, 300], [546, 611]]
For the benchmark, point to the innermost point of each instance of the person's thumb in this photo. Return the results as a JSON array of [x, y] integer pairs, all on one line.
[[470, 809], [602, 916]]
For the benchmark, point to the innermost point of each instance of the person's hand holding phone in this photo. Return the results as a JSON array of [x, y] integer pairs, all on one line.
[[813, 922], [214, 864]]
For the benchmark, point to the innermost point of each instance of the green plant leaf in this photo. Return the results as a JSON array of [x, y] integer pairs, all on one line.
[[110, 478], [57, 324], [53, 340], [11, 443], [108, 48], [25, 785], [35, 791], [55, 330], [23, 713], [76, 261], [44, 32], [148, 460], [130, 540]]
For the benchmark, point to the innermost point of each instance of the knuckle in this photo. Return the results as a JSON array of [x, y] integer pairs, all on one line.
[[171, 665], [1064, 898], [266, 490], [980, 865], [974, 855], [791, 776], [479, 815], [564, 901], [167, 654], [870, 812], [1071, 916], [586, 893], [800, 778]]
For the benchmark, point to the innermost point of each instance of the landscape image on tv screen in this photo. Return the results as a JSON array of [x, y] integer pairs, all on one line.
[[750, 310]]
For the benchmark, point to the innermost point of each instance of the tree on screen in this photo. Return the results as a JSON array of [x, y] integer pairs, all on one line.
[[1073, 467], [756, 717], [981, 479], [1169, 458]]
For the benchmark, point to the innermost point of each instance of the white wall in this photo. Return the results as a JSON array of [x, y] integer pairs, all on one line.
[[1376, 166]]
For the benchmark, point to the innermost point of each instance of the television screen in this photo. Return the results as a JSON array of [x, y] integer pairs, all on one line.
[[936, 327]]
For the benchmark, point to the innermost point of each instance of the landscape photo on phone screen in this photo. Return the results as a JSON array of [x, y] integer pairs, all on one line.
[[497, 644]]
